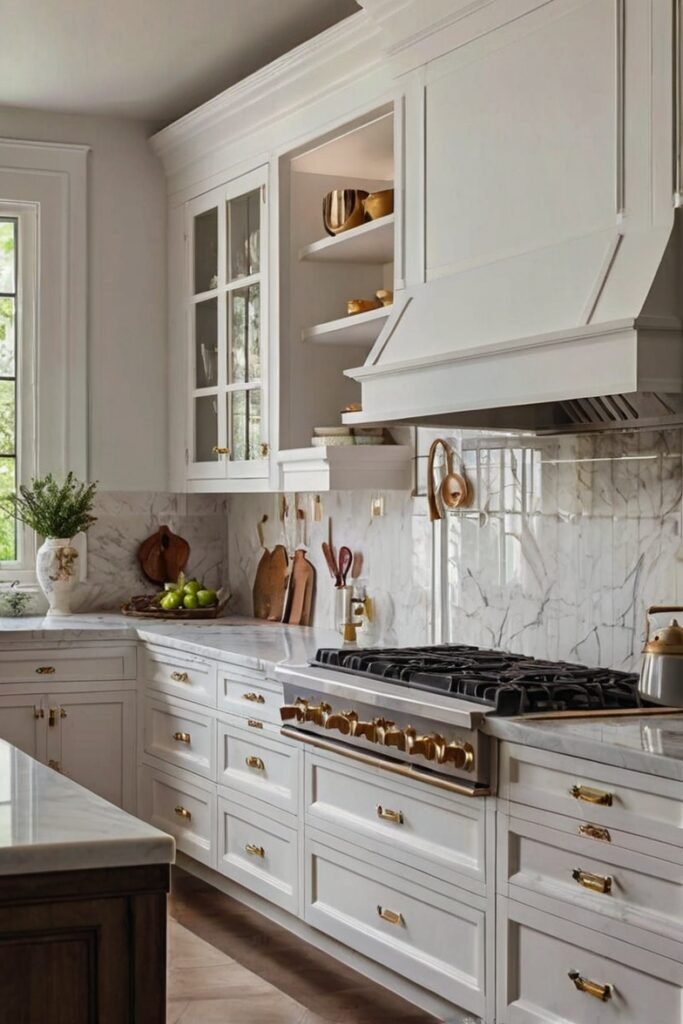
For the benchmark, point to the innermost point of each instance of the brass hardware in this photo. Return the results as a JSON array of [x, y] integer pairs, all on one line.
[[254, 762], [350, 633], [255, 698], [389, 915], [591, 796], [62, 713], [182, 737], [591, 988], [253, 723], [180, 677], [426, 746], [317, 713], [220, 451], [46, 670], [668, 640], [461, 754], [367, 729], [296, 710], [183, 812], [388, 815], [52, 717], [265, 448], [394, 738], [38, 712], [595, 832], [596, 883], [55, 765], [344, 721], [255, 851]]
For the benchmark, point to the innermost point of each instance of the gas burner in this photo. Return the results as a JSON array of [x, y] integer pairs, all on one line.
[[511, 684]]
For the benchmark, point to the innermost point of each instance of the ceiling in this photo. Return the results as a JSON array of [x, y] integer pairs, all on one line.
[[151, 59]]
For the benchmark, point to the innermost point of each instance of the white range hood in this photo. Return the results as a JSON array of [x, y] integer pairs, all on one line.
[[553, 300]]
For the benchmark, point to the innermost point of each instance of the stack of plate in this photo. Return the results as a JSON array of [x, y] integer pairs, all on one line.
[[341, 437]]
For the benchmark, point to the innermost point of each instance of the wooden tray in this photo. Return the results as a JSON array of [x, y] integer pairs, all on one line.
[[143, 607]]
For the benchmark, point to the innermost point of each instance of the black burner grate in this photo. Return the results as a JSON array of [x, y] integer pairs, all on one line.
[[510, 683]]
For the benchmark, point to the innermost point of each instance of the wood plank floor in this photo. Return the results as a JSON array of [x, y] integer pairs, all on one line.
[[230, 965]]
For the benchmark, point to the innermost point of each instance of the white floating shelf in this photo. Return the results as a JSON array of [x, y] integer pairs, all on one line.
[[370, 243], [358, 329], [352, 467]]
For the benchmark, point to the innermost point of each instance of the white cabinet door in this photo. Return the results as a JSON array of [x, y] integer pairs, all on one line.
[[22, 723], [227, 281], [91, 739]]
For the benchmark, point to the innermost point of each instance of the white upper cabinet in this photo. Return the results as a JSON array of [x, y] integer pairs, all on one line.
[[227, 331]]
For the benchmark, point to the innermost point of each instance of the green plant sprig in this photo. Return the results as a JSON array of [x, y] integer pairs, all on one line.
[[53, 509]]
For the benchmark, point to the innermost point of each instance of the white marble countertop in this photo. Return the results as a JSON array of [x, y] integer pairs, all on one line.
[[49, 823], [644, 743]]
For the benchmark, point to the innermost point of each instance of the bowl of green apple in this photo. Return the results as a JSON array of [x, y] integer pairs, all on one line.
[[183, 599]]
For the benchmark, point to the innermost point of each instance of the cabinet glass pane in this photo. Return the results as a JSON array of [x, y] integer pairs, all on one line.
[[205, 428], [7, 255], [244, 410], [206, 251], [7, 417], [7, 317], [244, 308], [206, 343], [244, 235]]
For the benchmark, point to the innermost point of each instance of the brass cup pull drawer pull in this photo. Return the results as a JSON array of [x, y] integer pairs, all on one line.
[[182, 737], [591, 796], [180, 677], [390, 916], [596, 883], [45, 670], [595, 832], [254, 723], [254, 762], [386, 814], [591, 988], [255, 698], [183, 812], [255, 851]]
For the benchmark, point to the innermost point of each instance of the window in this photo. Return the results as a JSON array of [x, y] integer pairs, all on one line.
[[8, 380]]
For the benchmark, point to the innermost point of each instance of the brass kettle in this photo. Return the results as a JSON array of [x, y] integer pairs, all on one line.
[[661, 673]]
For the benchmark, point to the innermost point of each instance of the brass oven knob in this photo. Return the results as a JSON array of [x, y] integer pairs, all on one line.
[[317, 713], [367, 729], [427, 746], [461, 755], [394, 737], [296, 710], [342, 721]]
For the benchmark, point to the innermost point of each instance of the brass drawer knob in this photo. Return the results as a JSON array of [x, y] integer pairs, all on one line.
[[596, 883], [255, 851], [595, 832], [182, 737], [180, 677], [45, 670], [255, 698], [591, 796], [386, 814], [591, 988], [183, 812], [254, 762], [390, 916]]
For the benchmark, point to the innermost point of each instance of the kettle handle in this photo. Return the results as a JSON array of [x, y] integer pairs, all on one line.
[[656, 609]]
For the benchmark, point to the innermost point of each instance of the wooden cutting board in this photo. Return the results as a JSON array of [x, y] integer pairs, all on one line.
[[270, 584], [302, 588], [163, 556]]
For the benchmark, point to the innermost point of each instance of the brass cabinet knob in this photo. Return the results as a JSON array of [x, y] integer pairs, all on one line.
[[343, 722], [220, 451], [45, 670], [180, 677], [254, 698], [255, 762], [591, 988], [182, 812], [592, 796], [182, 737], [255, 851], [596, 883], [265, 448]]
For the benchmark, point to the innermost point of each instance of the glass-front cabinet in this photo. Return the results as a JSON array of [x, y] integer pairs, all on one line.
[[227, 233]]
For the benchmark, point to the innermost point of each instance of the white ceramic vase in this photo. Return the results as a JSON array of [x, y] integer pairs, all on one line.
[[57, 573]]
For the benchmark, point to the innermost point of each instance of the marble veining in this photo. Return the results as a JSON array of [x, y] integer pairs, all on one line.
[[49, 823]]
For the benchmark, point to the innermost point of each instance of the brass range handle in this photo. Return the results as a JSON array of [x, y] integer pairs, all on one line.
[[180, 677], [255, 698], [183, 812], [45, 670], [591, 988], [592, 796], [255, 851], [386, 814], [596, 883], [255, 762], [220, 451], [182, 737], [390, 916]]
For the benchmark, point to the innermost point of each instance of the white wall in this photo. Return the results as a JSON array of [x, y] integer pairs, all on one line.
[[127, 292]]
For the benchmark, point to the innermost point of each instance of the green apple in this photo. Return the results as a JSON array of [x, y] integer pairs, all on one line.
[[192, 586], [207, 598], [171, 601], [191, 601]]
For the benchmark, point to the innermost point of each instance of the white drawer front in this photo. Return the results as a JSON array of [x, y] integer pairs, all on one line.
[[181, 675], [259, 852], [68, 665], [260, 764], [250, 697], [182, 736], [441, 833], [613, 797], [541, 951], [432, 939], [596, 877], [185, 810]]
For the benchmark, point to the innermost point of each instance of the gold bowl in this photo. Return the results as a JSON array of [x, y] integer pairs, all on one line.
[[343, 209], [379, 204]]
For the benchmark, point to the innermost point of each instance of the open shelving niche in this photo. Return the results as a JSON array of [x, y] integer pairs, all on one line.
[[319, 273]]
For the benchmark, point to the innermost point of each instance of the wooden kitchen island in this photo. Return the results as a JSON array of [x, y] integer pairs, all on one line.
[[82, 903]]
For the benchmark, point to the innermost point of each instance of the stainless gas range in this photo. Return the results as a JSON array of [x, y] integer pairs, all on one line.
[[419, 711]]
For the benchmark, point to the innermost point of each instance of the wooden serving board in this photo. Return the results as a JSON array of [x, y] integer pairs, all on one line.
[[163, 556], [270, 584], [302, 588]]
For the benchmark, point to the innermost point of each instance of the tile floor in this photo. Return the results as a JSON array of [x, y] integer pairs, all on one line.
[[230, 965]]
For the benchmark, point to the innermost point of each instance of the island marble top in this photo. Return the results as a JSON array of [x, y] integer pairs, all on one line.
[[50, 823]]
